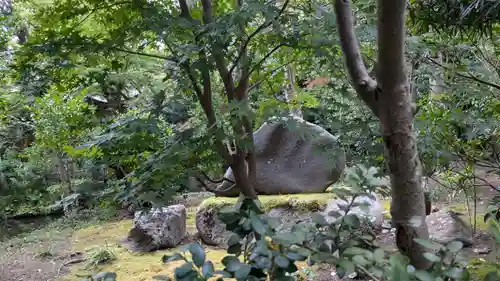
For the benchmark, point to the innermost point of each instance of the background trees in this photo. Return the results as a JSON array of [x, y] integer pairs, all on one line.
[[127, 100]]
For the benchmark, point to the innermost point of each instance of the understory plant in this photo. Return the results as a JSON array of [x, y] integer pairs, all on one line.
[[344, 239]]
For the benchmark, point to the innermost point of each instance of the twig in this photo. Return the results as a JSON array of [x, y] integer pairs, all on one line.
[[467, 76], [100, 8], [265, 58], [255, 33], [73, 261], [144, 54]]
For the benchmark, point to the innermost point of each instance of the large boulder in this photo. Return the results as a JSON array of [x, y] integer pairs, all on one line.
[[292, 156], [159, 228]]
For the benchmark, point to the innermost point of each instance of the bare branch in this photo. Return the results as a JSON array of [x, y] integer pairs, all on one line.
[[469, 75], [216, 181], [365, 86]]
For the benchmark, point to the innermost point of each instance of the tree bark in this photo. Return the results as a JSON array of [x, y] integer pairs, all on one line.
[[243, 160], [290, 91], [390, 100]]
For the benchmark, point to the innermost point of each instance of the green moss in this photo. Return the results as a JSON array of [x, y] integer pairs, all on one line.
[[191, 217], [304, 202], [386, 204], [458, 207], [479, 268], [128, 266]]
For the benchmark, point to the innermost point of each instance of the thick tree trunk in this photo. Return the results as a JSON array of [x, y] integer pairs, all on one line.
[[390, 100]]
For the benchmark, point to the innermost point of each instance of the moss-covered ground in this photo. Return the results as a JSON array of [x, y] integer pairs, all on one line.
[[105, 236], [141, 267], [305, 202]]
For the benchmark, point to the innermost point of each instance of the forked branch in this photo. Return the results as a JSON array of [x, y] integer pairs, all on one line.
[[365, 86]]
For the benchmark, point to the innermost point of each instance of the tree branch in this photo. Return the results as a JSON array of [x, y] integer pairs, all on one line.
[[184, 10], [469, 75], [101, 8], [265, 58], [263, 26], [144, 54], [220, 61], [365, 86], [204, 95]]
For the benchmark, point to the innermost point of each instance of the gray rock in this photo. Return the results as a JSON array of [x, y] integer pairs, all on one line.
[[375, 214], [159, 228], [445, 226], [210, 229], [304, 159], [213, 232]]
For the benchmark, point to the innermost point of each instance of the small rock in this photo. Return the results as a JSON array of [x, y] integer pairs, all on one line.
[[213, 232], [446, 226], [160, 228], [482, 251]]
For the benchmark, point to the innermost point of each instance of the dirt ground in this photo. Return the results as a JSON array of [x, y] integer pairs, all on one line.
[[40, 259], [45, 254]]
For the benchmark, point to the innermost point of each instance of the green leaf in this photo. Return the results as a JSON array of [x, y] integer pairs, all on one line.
[[352, 220], [208, 269], [235, 249], [360, 260], [232, 263], [182, 271], [282, 261], [286, 237], [398, 269], [352, 251], [233, 240], [432, 257], [492, 276], [454, 246], [454, 272], [258, 225], [341, 272], [105, 276], [223, 273], [347, 265], [228, 217], [242, 272], [319, 219], [174, 257], [378, 254], [198, 254], [429, 244], [296, 256], [423, 275], [335, 214]]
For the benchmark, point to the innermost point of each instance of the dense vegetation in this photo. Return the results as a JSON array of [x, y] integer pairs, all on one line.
[[112, 104]]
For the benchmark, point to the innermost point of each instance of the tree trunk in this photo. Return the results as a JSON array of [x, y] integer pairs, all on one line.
[[390, 100], [290, 91]]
